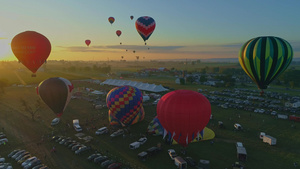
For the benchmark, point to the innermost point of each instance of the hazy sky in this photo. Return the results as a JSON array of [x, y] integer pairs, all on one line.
[[192, 29]]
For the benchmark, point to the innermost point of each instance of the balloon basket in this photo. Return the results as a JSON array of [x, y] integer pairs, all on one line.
[[33, 75]]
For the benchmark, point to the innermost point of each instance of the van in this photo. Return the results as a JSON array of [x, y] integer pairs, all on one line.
[[134, 145], [102, 130], [76, 125]]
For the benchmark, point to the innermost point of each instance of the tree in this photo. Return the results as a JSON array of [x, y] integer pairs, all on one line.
[[31, 109]]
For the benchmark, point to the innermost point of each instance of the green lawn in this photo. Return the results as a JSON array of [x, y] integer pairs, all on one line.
[[25, 133]]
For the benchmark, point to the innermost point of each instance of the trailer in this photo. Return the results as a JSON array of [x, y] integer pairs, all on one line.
[[241, 153], [269, 139], [180, 162]]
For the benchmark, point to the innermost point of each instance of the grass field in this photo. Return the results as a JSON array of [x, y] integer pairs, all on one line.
[[25, 133]]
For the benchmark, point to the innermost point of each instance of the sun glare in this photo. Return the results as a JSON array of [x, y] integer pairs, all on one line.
[[5, 49]]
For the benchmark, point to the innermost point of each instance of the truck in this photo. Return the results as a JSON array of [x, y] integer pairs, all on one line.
[[269, 139], [134, 145], [76, 125], [180, 162]]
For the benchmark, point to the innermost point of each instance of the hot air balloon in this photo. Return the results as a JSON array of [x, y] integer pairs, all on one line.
[[56, 93], [88, 42], [265, 58], [118, 32], [183, 114], [131, 17], [31, 49], [125, 105], [122, 57], [145, 26], [111, 20]]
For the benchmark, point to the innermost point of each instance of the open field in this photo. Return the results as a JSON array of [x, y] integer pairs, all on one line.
[[25, 133]]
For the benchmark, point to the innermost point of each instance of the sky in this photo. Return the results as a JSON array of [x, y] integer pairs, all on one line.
[[191, 29]]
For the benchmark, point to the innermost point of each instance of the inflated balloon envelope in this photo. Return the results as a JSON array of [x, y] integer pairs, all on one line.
[[265, 58], [125, 104], [31, 49], [56, 93], [183, 114]]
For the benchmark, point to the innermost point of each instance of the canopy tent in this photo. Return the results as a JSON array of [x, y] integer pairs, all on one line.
[[139, 85]]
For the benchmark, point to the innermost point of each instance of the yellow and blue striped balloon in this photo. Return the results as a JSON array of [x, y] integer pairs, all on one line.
[[265, 58]]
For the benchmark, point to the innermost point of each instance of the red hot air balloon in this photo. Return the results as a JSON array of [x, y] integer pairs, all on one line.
[[118, 32], [56, 93], [88, 42], [145, 26], [111, 20], [31, 49], [183, 114]]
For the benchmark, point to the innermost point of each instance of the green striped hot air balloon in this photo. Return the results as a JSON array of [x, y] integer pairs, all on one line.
[[265, 58]]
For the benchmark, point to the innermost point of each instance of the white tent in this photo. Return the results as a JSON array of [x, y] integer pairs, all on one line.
[[139, 85]]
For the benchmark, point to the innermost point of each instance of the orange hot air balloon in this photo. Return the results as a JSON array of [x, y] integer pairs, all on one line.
[[31, 49], [118, 32], [88, 42]]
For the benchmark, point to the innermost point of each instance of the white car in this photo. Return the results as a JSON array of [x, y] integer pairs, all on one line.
[[239, 144], [142, 140], [238, 126], [102, 130], [55, 121], [117, 133]]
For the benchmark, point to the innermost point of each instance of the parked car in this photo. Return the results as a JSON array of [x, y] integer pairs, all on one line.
[[13, 152], [33, 163], [38, 166], [28, 161], [114, 166], [102, 130], [100, 159], [239, 144], [22, 155], [117, 133], [238, 126], [93, 156], [3, 141], [142, 140], [172, 153], [106, 163], [55, 121], [17, 154], [24, 158], [82, 149], [76, 147]]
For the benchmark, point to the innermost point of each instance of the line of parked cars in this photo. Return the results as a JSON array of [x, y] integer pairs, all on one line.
[[4, 165], [74, 145], [3, 138], [26, 160], [104, 161]]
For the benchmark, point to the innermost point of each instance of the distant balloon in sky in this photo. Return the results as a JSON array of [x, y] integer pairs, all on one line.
[[111, 20], [265, 58], [131, 17], [31, 49], [88, 42], [56, 93], [183, 114], [118, 32], [145, 26]]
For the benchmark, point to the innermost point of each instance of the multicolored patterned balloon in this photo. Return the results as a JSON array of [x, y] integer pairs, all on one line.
[[125, 105], [265, 58], [111, 20], [145, 26]]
